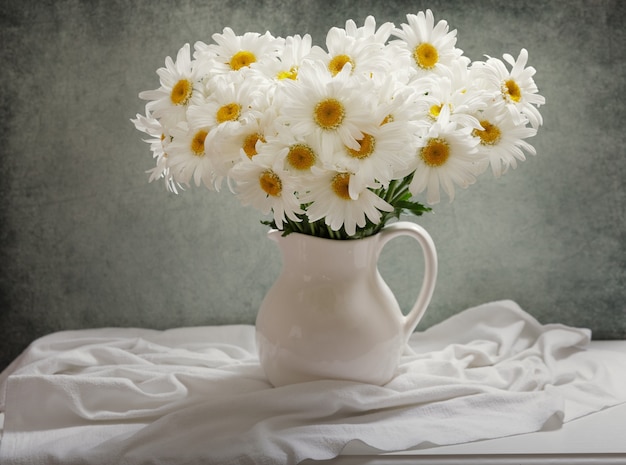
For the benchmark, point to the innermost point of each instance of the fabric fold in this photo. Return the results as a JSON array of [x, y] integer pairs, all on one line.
[[198, 395]]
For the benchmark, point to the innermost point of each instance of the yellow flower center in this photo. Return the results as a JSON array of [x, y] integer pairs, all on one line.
[[271, 183], [249, 144], [291, 74], [435, 153], [490, 135], [197, 143], [366, 147], [426, 55], [181, 92], [329, 113], [337, 63], [241, 59], [434, 111], [229, 112], [388, 119], [511, 90], [340, 185], [301, 156]]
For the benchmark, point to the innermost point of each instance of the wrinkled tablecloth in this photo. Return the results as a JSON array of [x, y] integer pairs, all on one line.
[[198, 395]]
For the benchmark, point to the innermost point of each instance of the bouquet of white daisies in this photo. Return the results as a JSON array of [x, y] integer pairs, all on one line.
[[336, 142]]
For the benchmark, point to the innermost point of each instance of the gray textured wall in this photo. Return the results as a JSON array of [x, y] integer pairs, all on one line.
[[86, 242]]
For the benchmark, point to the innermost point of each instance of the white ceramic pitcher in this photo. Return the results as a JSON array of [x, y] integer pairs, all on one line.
[[330, 315]]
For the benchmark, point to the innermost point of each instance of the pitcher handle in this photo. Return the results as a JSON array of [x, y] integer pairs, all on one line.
[[406, 228]]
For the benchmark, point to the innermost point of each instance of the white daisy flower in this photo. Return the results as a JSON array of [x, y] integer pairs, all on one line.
[[446, 157], [381, 155], [365, 55], [431, 46], [233, 102], [501, 140], [233, 53], [248, 139], [189, 157], [179, 89], [158, 141], [452, 92], [263, 184], [286, 66], [297, 154], [516, 87], [153, 128], [329, 196], [331, 108]]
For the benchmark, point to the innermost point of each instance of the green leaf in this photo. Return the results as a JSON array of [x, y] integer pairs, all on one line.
[[414, 208]]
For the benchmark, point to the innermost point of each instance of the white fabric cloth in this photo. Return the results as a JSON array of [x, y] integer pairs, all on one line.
[[198, 395]]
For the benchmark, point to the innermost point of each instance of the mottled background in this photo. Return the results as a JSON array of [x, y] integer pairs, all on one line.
[[86, 242]]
